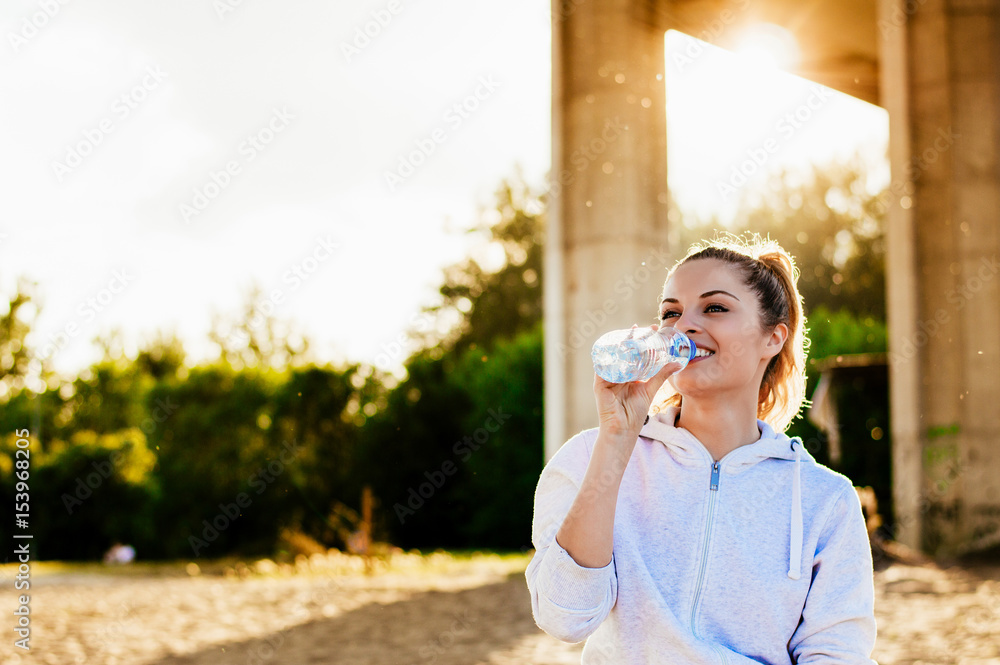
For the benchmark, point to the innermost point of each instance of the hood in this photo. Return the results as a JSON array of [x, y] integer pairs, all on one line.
[[688, 450]]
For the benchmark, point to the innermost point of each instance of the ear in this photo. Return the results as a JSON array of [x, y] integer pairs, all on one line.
[[776, 340]]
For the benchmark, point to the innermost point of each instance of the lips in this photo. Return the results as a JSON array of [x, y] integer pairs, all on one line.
[[703, 353]]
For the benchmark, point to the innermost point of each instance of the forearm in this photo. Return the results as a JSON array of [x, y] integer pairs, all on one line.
[[587, 533]]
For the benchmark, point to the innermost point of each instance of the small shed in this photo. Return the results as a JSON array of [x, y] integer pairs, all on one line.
[[850, 405]]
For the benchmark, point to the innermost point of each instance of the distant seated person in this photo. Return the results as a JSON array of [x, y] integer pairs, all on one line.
[[119, 554]]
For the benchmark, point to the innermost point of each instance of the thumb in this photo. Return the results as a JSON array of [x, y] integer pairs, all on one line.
[[654, 383]]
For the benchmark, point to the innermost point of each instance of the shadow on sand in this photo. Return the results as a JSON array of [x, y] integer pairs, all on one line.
[[447, 628]]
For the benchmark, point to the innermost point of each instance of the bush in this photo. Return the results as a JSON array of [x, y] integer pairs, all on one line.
[[87, 493]]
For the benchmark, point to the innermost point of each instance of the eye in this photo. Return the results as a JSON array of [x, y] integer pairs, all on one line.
[[710, 308]]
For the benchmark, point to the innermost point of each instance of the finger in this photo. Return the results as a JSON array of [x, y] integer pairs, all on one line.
[[598, 381], [601, 384], [661, 377]]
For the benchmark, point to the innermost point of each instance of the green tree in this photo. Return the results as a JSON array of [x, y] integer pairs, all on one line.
[[256, 337], [212, 446], [841, 332], [485, 302], [87, 489], [106, 397], [500, 473], [408, 447], [162, 356], [93, 490], [18, 314], [323, 410], [438, 485]]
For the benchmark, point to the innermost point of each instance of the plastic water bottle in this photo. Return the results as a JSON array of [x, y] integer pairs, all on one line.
[[639, 353]]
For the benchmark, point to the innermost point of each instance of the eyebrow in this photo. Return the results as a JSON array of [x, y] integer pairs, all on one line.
[[706, 294]]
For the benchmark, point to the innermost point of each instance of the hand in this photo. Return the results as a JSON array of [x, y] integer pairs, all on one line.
[[622, 407]]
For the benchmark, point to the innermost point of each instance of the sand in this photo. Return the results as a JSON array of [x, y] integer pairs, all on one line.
[[420, 609]]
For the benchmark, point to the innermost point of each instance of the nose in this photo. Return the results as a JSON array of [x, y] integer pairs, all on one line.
[[687, 322]]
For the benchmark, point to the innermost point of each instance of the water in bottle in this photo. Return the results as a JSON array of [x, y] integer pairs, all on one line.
[[639, 353]]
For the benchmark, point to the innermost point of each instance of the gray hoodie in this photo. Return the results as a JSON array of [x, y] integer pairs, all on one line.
[[762, 557]]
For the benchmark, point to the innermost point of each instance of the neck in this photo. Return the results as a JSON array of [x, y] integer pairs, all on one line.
[[721, 425]]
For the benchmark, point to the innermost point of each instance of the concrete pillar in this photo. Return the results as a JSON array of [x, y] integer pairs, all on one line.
[[606, 245], [941, 86]]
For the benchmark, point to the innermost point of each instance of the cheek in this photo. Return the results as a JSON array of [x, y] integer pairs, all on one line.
[[738, 339], [738, 352]]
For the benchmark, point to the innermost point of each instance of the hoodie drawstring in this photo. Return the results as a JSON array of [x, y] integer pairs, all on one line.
[[795, 547]]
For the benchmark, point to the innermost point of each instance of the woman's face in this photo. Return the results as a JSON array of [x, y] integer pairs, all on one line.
[[707, 301]]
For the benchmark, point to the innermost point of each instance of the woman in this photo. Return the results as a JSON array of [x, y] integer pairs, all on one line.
[[700, 532]]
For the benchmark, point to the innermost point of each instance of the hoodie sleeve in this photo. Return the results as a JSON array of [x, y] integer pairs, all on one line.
[[568, 601], [838, 620]]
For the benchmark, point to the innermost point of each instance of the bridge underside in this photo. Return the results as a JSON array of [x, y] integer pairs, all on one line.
[[935, 67]]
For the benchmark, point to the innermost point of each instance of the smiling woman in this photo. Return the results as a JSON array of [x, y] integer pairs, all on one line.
[[766, 277], [700, 532]]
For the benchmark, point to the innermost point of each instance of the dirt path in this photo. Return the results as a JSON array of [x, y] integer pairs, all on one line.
[[424, 609]]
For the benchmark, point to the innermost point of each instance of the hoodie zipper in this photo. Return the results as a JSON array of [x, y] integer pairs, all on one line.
[[714, 490]]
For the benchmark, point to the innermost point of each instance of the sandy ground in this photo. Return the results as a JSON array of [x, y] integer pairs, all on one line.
[[437, 608]]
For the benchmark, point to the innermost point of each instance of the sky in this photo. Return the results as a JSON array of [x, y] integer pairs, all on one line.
[[160, 158]]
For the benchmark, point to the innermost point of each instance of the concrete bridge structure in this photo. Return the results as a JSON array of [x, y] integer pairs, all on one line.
[[934, 65]]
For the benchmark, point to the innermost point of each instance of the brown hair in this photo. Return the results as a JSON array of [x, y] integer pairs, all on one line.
[[770, 272]]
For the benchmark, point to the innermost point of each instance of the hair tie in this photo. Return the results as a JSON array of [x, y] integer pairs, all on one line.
[[767, 265]]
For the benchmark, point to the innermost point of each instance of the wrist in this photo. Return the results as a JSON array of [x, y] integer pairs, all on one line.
[[614, 433], [616, 444], [623, 431]]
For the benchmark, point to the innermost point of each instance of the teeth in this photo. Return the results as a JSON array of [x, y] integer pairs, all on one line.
[[700, 353]]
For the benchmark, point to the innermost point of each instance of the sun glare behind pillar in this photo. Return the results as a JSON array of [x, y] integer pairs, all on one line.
[[769, 46]]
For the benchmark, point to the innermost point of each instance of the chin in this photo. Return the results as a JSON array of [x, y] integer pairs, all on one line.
[[690, 386], [708, 381]]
